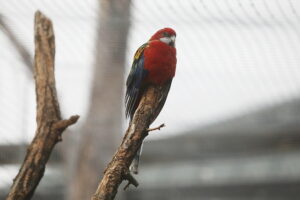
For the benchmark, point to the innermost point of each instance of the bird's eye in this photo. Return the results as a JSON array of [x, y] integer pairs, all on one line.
[[166, 34]]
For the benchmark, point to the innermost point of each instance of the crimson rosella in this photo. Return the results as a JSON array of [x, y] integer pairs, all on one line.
[[154, 63]]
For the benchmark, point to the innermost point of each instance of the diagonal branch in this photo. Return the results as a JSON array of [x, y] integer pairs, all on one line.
[[156, 128], [24, 53], [49, 123], [117, 169]]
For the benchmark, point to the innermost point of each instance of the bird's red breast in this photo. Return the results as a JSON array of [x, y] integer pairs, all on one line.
[[160, 62], [154, 63]]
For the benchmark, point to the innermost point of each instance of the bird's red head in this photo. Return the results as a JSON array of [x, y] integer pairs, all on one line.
[[166, 35]]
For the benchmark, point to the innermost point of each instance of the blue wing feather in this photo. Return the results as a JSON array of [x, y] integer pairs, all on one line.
[[134, 83]]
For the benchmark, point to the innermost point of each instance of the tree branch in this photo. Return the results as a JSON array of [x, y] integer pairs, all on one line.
[[131, 180], [24, 53], [118, 169], [156, 128], [106, 101], [49, 123]]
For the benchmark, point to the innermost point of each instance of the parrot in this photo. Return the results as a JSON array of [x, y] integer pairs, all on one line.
[[154, 63]]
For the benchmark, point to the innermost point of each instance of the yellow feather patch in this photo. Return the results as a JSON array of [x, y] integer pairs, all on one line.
[[139, 51]]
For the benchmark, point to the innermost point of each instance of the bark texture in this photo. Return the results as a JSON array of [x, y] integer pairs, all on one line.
[[50, 125], [118, 169]]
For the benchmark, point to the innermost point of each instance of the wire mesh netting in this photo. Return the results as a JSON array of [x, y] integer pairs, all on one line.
[[234, 57]]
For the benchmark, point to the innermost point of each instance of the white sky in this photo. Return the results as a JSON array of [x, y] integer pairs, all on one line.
[[233, 57]]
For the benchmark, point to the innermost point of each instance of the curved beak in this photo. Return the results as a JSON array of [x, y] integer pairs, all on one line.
[[172, 43]]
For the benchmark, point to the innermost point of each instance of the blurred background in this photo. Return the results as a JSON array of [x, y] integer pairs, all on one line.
[[232, 115]]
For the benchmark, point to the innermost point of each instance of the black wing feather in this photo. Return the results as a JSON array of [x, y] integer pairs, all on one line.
[[134, 83]]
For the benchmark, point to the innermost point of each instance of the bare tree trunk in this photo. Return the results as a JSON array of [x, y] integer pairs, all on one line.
[[103, 125], [118, 168], [50, 126]]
